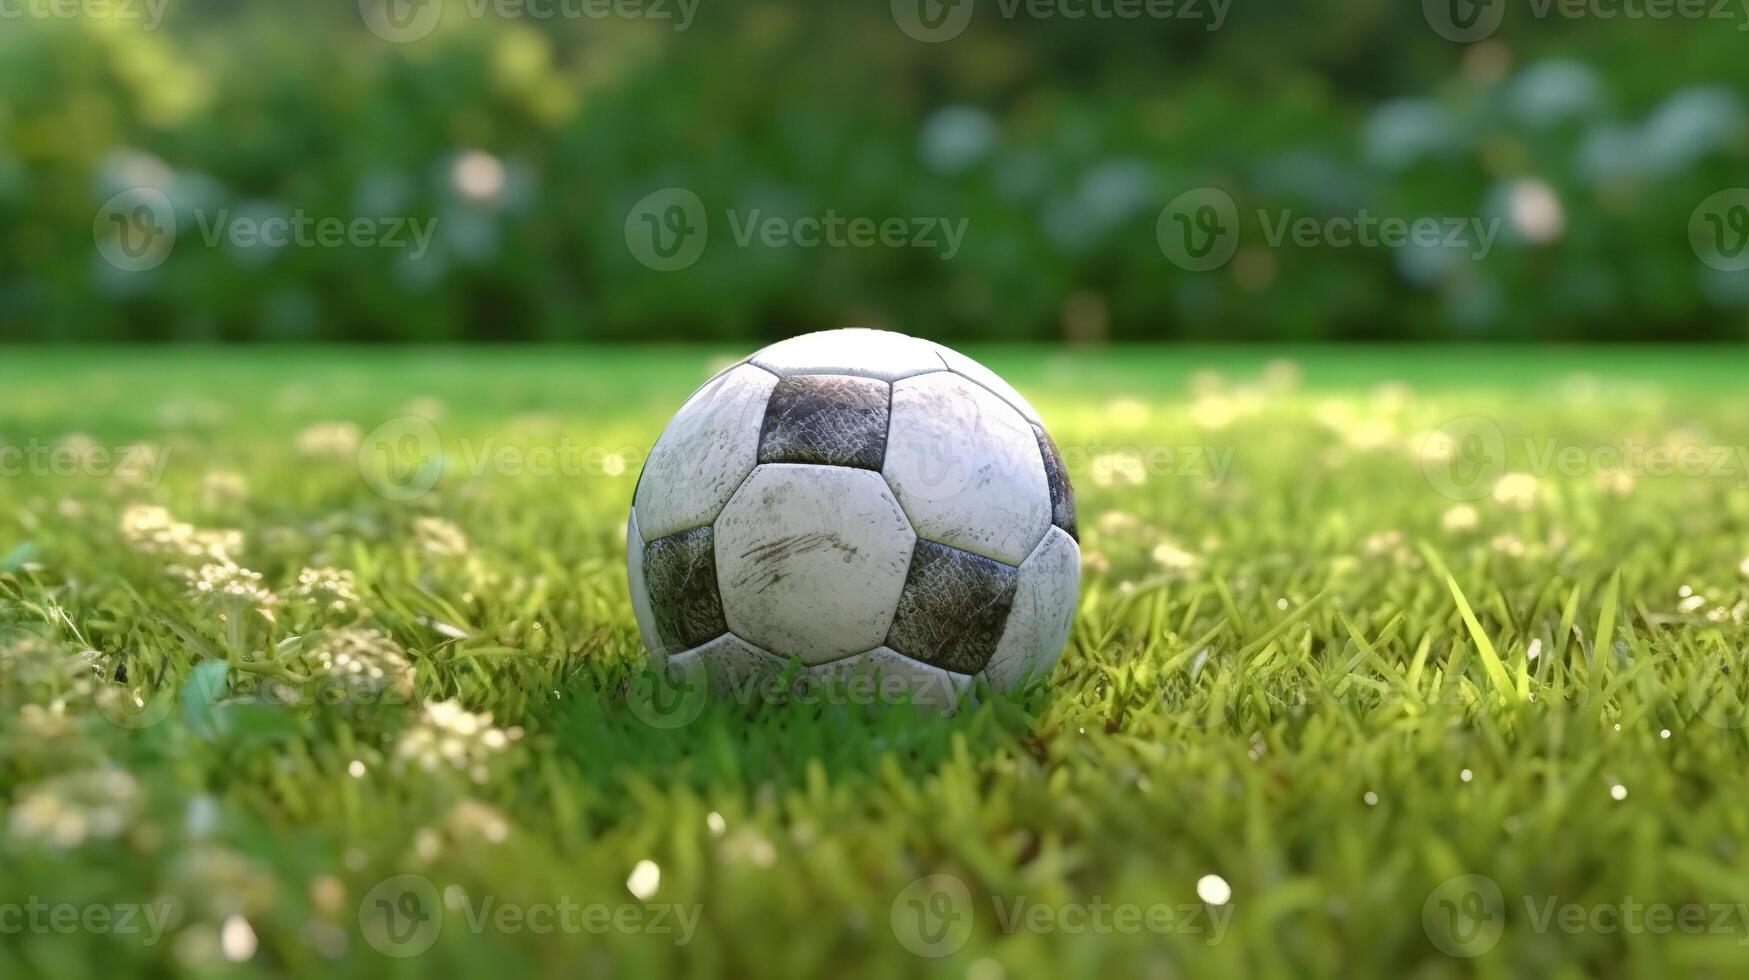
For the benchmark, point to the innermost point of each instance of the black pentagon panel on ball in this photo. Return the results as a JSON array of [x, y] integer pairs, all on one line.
[[832, 420], [1057, 478], [680, 572], [953, 609]]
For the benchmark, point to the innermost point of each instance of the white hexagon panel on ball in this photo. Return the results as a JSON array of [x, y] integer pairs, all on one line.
[[857, 500]]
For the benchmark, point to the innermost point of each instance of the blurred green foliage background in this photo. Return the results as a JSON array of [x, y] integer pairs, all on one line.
[[527, 140]]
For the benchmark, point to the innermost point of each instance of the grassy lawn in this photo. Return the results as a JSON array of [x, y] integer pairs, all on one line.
[[1335, 650]]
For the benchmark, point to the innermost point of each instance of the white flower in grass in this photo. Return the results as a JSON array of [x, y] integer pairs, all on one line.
[[336, 440], [67, 811], [1383, 543], [1508, 544], [1118, 469], [450, 737], [227, 583], [364, 662], [31, 661], [1169, 556], [141, 463], [152, 530], [437, 536], [333, 590], [1516, 490], [220, 488], [1120, 523], [471, 820], [40, 723], [1459, 519]]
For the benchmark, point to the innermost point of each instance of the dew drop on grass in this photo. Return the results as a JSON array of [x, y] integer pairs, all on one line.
[[1213, 889], [1371, 798], [237, 939], [716, 823], [1466, 775], [644, 879], [1618, 792]]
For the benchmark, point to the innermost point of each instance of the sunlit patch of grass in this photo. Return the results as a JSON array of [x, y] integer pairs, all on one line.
[[1327, 658]]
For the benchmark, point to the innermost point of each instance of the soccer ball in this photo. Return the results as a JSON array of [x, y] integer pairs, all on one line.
[[863, 501]]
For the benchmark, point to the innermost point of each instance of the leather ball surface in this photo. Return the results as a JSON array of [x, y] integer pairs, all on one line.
[[863, 501]]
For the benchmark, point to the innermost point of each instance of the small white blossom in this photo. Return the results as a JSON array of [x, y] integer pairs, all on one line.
[[437, 536], [1461, 518], [67, 811], [338, 440], [152, 530], [334, 590], [229, 583], [451, 737], [1516, 490]]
